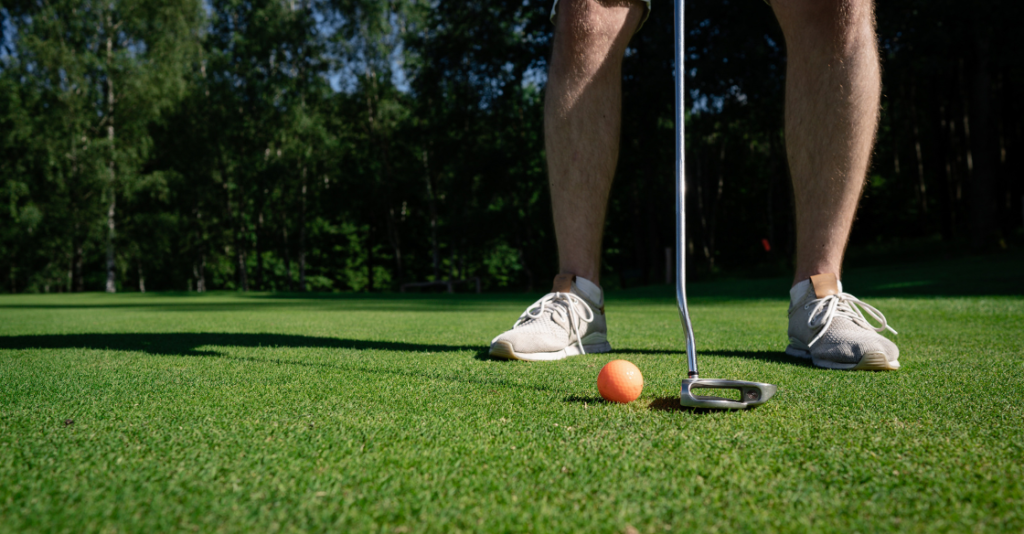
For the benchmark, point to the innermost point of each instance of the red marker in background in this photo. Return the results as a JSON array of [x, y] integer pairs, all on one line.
[[767, 246]]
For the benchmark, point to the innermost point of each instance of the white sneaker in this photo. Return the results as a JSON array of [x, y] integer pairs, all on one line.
[[828, 326], [566, 322]]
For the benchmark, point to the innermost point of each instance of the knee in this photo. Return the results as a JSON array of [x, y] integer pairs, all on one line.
[[584, 25], [843, 23]]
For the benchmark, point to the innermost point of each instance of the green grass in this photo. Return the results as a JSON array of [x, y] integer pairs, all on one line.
[[230, 412]]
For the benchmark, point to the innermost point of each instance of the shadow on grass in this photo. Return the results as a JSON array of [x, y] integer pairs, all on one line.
[[187, 344], [667, 404], [661, 404], [671, 404], [577, 399], [484, 355], [765, 356]]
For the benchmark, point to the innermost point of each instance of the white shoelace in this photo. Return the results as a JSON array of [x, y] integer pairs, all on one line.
[[846, 305], [548, 302]]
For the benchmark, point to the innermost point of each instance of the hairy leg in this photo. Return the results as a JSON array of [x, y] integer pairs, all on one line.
[[833, 87], [582, 115]]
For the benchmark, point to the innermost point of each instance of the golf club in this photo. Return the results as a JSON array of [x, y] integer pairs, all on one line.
[[751, 393]]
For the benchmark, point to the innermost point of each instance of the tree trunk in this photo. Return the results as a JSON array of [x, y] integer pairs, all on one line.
[[934, 133], [243, 278], [240, 256], [111, 263], [287, 254], [921, 191], [718, 198], [637, 228], [701, 209], [526, 269], [111, 208], [708, 210], [521, 249], [75, 268], [201, 283], [238, 228], [77, 282], [770, 198], [395, 241], [379, 136], [948, 123], [302, 234], [983, 205], [142, 277], [432, 205], [199, 271], [302, 163], [259, 251], [369, 258]]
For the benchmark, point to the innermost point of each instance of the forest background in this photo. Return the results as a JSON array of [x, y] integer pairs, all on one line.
[[355, 145]]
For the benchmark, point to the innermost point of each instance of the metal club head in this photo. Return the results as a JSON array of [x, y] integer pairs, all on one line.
[[751, 393]]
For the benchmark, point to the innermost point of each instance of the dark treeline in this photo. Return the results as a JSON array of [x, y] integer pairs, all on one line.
[[325, 145]]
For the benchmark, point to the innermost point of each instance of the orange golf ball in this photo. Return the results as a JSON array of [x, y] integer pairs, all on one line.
[[620, 381]]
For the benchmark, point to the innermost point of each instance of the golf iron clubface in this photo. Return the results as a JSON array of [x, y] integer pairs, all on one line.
[[751, 393]]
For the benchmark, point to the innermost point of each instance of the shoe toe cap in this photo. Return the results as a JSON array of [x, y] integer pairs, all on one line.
[[878, 354], [529, 344]]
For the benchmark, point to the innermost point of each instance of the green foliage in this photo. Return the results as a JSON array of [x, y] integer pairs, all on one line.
[[503, 264], [87, 80], [350, 145]]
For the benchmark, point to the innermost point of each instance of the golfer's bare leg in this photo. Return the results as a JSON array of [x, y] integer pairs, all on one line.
[[833, 86], [582, 115]]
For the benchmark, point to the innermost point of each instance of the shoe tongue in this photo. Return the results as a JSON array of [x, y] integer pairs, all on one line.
[[845, 310], [560, 316], [560, 311], [852, 319], [825, 285]]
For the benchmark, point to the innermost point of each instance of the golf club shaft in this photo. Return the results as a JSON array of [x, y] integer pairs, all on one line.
[[684, 314]]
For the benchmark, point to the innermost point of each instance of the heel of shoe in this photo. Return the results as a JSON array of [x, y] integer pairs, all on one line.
[[598, 348], [797, 352], [876, 361]]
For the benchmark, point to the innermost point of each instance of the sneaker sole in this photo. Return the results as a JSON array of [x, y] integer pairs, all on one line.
[[504, 349], [872, 361]]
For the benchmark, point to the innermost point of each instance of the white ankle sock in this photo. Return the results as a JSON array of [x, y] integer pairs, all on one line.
[[590, 290]]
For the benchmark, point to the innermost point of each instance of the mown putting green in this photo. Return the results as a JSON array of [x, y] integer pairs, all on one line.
[[231, 412]]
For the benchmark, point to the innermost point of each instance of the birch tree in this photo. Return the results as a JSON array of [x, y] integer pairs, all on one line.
[[104, 70]]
